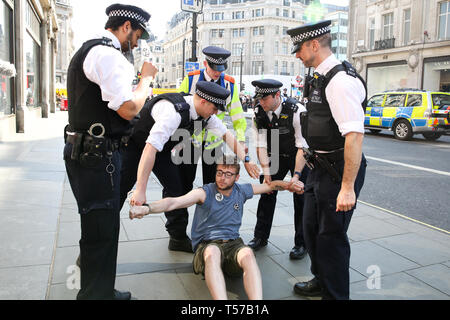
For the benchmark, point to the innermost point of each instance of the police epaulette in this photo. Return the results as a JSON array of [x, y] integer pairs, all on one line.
[[349, 69], [107, 42], [292, 103]]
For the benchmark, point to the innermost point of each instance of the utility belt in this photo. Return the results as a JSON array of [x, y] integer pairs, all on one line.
[[90, 149], [325, 161]]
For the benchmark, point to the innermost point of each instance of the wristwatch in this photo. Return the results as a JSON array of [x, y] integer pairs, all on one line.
[[247, 159], [298, 173]]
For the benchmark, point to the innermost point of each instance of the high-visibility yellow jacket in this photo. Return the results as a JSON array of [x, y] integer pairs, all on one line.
[[233, 108]]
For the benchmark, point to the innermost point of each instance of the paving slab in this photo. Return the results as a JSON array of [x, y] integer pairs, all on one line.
[[365, 254], [437, 276], [160, 285], [24, 283], [26, 249], [399, 286], [416, 248], [366, 228]]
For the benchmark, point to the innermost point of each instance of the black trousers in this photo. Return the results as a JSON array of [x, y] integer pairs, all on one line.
[[326, 230], [267, 202], [98, 205], [175, 179]]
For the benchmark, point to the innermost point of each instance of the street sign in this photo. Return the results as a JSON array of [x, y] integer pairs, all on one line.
[[195, 6], [191, 66]]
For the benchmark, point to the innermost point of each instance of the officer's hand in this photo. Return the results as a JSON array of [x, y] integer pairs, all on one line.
[[252, 169], [149, 70], [297, 187], [138, 198], [138, 212], [346, 200]]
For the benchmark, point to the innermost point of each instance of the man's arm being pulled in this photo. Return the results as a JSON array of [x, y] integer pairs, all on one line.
[[197, 196]]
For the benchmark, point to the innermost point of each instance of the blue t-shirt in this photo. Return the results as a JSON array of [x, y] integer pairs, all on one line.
[[220, 217]]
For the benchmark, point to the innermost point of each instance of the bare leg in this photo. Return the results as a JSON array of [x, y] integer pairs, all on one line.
[[213, 273], [252, 276]]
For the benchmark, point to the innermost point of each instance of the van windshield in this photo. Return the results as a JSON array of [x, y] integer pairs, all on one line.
[[442, 101]]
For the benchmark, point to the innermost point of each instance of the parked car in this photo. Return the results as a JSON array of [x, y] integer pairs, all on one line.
[[407, 112]]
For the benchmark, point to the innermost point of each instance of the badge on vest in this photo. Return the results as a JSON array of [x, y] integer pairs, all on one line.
[[236, 206], [316, 97], [219, 197]]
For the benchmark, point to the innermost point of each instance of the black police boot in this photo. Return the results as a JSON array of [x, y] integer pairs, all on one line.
[[311, 288], [121, 295], [180, 244], [297, 253], [257, 243]]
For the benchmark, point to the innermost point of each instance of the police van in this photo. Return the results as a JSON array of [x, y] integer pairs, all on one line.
[[407, 112]]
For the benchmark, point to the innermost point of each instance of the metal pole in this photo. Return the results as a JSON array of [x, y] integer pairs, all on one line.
[[194, 37], [240, 71], [184, 55]]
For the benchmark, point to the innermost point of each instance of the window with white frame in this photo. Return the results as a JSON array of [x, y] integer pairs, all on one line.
[[236, 49], [241, 32], [372, 33], [388, 26], [444, 23], [258, 47], [284, 67], [236, 68], [406, 26], [284, 48], [276, 47], [275, 67], [235, 33], [257, 67], [217, 16]]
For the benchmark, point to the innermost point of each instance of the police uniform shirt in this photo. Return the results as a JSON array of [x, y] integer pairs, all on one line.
[[260, 136], [108, 68], [167, 121], [345, 94]]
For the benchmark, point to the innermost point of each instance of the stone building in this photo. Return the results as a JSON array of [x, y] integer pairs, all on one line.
[[28, 49], [401, 43]]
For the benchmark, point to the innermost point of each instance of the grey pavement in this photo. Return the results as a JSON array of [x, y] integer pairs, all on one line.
[[392, 258]]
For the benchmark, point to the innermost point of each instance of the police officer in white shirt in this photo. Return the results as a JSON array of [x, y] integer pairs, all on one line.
[[101, 104], [277, 132], [333, 127], [155, 140]]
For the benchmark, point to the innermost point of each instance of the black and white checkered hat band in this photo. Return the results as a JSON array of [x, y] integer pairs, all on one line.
[[266, 90], [311, 34], [215, 61], [128, 14], [210, 98]]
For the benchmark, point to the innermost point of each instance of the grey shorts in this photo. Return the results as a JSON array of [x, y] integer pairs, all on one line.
[[229, 251]]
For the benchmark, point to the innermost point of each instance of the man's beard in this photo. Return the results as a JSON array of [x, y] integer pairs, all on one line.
[[226, 188]]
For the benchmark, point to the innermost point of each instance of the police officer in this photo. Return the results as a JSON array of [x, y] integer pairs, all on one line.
[[285, 151], [333, 126], [163, 150], [101, 103], [211, 145]]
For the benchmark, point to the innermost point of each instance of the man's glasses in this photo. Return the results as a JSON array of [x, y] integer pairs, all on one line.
[[220, 173]]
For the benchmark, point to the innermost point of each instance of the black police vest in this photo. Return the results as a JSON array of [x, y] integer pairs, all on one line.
[[318, 125], [86, 106], [284, 124], [144, 122]]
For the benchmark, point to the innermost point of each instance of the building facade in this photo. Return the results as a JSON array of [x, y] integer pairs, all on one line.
[[66, 48], [254, 32], [339, 34], [28, 48], [401, 43]]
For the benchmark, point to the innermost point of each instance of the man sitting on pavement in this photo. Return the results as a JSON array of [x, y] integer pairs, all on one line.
[[215, 229]]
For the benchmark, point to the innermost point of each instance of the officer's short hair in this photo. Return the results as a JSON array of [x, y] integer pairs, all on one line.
[[325, 40], [114, 23], [229, 161]]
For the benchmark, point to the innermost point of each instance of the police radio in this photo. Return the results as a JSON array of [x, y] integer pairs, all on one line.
[[306, 86]]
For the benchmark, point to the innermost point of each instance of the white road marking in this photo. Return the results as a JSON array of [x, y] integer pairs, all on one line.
[[444, 173]]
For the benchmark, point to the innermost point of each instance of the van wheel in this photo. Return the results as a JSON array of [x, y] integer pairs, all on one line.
[[432, 136], [375, 131], [402, 130]]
